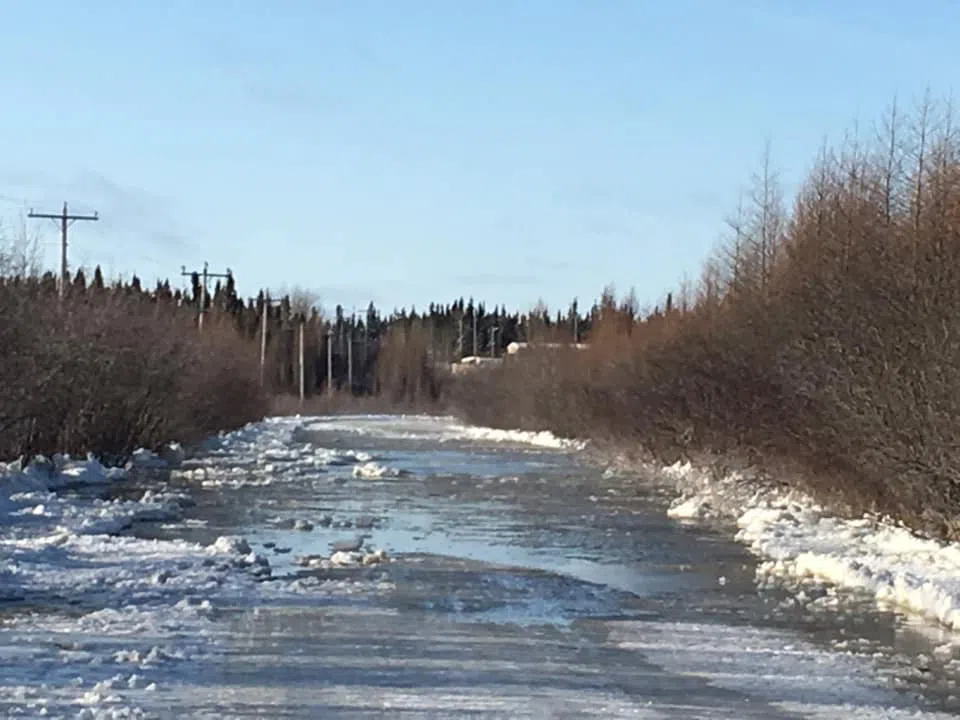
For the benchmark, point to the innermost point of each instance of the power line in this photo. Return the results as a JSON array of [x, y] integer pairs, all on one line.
[[205, 275], [66, 220]]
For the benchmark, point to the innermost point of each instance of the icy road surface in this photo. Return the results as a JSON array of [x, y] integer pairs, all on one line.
[[517, 583]]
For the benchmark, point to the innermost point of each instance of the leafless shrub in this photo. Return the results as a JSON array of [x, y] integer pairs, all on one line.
[[108, 371], [410, 369], [825, 338]]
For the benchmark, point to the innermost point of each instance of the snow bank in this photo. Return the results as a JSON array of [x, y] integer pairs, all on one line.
[[29, 501], [798, 539], [432, 427], [54, 473], [266, 453], [109, 609], [106, 624], [56, 544], [539, 439]]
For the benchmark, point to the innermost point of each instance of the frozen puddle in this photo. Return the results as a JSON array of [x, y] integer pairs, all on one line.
[[771, 667]]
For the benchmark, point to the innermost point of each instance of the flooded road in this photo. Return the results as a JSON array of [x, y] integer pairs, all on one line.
[[520, 582]]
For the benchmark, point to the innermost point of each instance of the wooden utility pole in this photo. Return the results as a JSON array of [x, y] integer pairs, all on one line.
[[303, 383], [474, 313], [329, 360], [459, 336], [493, 341], [264, 317], [575, 320], [350, 356], [205, 277], [66, 220], [264, 312], [366, 341]]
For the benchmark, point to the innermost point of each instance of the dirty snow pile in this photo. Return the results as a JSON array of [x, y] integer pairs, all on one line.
[[107, 624], [273, 452], [797, 539], [72, 577], [374, 470], [53, 542]]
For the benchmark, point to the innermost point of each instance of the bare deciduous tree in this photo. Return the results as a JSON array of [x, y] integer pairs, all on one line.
[[848, 371]]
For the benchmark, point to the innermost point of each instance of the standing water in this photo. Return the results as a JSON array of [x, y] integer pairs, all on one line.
[[512, 580]]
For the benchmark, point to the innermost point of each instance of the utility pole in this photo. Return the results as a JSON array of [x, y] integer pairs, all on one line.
[[366, 343], [575, 307], [329, 359], [66, 220], [493, 341], [264, 316], [205, 275], [303, 384], [350, 353], [459, 336], [264, 312], [474, 313]]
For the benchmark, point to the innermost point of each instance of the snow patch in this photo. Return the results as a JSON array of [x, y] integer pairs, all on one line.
[[798, 539], [374, 470], [264, 454], [146, 460], [438, 428]]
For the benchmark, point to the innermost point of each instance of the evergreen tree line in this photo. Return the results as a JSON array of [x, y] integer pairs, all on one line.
[[180, 378], [368, 353]]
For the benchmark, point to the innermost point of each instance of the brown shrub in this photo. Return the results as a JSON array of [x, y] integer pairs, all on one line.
[[408, 370], [826, 338], [111, 371]]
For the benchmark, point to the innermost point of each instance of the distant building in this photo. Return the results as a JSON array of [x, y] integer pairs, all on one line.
[[472, 363], [515, 347]]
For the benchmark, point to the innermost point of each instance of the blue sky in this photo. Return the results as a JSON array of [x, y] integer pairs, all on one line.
[[407, 151]]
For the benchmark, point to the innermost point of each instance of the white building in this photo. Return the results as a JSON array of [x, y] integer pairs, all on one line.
[[515, 347]]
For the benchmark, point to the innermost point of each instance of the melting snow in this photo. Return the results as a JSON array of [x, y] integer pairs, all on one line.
[[796, 538], [135, 605], [440, 429], [374, 470]]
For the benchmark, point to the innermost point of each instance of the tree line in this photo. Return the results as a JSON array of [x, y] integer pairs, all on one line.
[[821, 343], [114, 365], [372, 353]]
